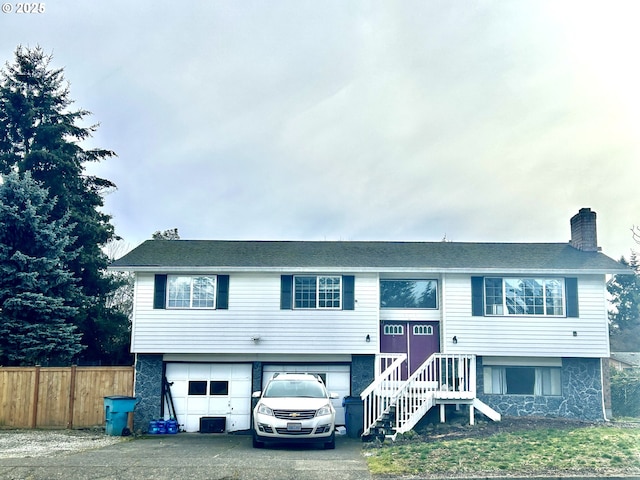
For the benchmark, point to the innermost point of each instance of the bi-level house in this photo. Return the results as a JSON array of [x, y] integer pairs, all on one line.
[[497, 328]]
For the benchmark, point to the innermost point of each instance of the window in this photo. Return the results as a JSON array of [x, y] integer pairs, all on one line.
[[317, 292], [422, 330], [408, 294], [197, 387], [219, 387], [517, 380], [216, 387], [191, 291], [394, 329], [524, 296]]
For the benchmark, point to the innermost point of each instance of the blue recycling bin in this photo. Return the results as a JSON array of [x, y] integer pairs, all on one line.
[[116, 411]]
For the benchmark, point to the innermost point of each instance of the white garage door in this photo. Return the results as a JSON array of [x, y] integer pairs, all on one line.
[[211, 390], [337, 378]]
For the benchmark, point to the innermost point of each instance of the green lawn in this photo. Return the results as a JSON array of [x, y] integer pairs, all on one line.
[[599, 450]]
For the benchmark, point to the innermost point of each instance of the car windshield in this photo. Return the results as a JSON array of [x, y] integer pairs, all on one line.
[[295, 388]]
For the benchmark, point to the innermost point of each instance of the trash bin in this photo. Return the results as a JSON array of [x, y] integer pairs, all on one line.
[[116, 410], [354, 416]]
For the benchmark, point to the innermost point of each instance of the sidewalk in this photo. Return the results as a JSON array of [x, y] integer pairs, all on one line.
[[196, 456]]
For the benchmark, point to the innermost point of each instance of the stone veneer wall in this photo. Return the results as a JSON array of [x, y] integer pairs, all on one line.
[[362, 372], [148, 390], [581, 394]]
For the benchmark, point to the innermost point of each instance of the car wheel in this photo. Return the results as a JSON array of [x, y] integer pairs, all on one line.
[[331, 444], [257, 443]]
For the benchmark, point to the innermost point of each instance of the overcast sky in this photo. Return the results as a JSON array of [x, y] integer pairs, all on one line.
[[355, 120]]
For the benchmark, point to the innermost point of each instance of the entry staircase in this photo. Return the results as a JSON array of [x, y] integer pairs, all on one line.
[[394, 405]]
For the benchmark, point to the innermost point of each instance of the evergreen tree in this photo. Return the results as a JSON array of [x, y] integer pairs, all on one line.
[[171, 234], [40, 134], [624, 319], [35, 285]]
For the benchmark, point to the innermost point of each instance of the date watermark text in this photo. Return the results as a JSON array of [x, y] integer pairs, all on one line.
[[34, 7]]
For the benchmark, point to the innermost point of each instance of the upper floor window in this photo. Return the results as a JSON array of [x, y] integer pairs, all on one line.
[[186, 291], [524, 296], [317, 291], [408, 294]]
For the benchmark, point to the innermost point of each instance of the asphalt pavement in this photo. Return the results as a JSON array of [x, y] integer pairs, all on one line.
[[196, 456]]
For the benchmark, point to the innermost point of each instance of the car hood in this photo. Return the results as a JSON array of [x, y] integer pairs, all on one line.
[[299, 403]]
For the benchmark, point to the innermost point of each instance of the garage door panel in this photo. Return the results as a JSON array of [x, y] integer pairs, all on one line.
[[338, 380], [198, 371], [235, 405]]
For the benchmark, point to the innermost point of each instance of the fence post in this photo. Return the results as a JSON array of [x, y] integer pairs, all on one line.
[[36, 397], [72, 395]]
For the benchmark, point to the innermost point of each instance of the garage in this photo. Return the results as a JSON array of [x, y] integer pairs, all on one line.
[[337, 378], [211, 390]]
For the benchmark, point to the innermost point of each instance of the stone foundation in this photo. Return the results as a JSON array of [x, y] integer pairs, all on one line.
[[581, 397], [362, 372], [148, 390]]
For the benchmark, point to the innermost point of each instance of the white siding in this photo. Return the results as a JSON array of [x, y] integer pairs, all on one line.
[[254, 311], [526, 336]]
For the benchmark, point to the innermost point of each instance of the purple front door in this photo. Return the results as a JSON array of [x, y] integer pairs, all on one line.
[[417, 339]]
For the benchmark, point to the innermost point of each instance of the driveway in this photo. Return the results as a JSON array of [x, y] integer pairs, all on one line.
[[196, 456]]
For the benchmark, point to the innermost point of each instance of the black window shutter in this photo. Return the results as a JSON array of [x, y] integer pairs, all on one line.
[[348, 296], [477, 296], [286, 292], [160, 291], [222, 296], [571, 287]]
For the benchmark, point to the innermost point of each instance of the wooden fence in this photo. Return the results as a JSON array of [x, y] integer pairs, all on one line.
[[59, 397]]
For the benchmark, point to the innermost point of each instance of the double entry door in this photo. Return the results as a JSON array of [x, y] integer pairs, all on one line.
[[419, 340]]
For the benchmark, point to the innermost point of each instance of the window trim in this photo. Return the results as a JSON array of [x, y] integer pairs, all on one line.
[[504, 310], [434, 280], [317, 292], [191, 289]]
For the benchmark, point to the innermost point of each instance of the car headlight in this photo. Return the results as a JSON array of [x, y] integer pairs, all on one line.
[[326, 410], [264, 410]]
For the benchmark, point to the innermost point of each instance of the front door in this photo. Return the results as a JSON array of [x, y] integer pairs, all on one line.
[[419, 340]]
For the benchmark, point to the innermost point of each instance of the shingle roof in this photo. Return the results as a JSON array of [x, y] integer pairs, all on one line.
[[630, 358], [172, 254]]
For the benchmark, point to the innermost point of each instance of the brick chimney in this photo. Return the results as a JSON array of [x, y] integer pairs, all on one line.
[[583, 231]]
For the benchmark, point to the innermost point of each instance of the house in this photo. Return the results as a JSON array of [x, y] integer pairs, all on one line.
[[624, 360], [499, 328]]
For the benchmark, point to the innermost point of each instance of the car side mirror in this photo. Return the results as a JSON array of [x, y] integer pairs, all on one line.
[[257, 394], [334, 396]]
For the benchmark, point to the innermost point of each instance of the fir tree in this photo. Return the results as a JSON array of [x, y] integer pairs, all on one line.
[[624, 319], [41, 134], [35, 283]]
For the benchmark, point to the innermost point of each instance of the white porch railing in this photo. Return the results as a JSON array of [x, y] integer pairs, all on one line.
[[402, 403], [379, 396]]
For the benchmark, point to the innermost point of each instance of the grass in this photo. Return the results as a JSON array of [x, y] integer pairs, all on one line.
[[596, 450]]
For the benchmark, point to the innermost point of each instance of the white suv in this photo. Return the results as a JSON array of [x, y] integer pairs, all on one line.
[[294, 407]]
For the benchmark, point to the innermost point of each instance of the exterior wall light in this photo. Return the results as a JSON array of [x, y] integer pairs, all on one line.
[[368, 339], [455, 340]]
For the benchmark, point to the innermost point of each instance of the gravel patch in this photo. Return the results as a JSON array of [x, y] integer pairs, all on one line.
[[51, 443]]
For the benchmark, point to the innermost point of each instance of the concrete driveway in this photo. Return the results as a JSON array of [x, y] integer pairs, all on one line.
[[196, 456]]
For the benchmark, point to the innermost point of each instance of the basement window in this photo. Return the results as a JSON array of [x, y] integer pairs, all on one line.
[[518, 380]]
